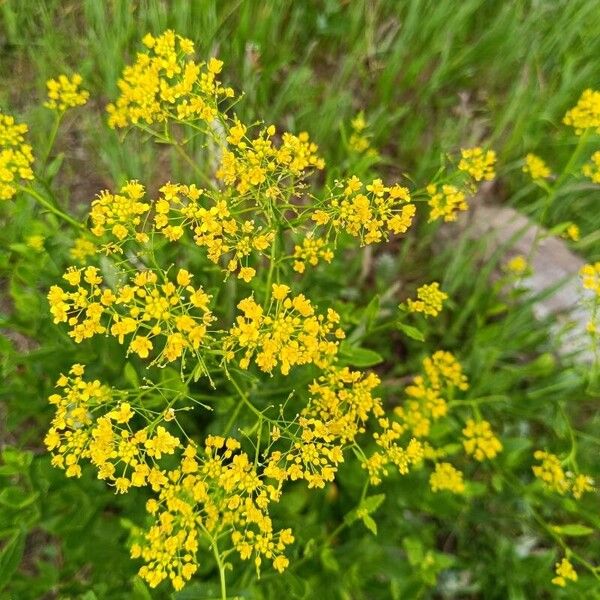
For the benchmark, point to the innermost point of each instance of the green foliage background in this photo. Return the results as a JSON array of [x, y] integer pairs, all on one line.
[[431, 77]]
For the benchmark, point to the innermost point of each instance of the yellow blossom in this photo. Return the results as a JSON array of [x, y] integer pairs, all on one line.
[[479, 440], [536, 167], [564, 571], [430, 300], [82, 248], [592, 168], [16, 157], [64, 92], [586, 113], [36, 242], [478, 163], [517, 265], [445, 202], [446, 477], [590, 277]]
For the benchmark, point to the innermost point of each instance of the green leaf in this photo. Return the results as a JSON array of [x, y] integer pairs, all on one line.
[[368, 317], [10, 557], [372, 503], [370, 524], [573, 529], [140, 590], [328, 560], [358, 357], [14, 497], [131, 375], [410, 331]]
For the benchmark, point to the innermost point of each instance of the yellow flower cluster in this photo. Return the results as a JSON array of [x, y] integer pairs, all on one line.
[[220, 490], [93, 422], [572, 232], [260, 164], [150, 310], [166, 83], [430, 300], [590, 277], [214, 227], [517, 265], [448, 478], [35, 241], [426, 402], [536, 167], [564, 570], [289, 334], [480, 441], [312, 250], [445, 202], [82, 249], [586, 113], [478, 163], [592, 168], [340, 404], [64, 92], [552, 475], [119, 214], [371, 215], [359, 141], [68, 437], [16, 156], [214, 493], [550, 471]]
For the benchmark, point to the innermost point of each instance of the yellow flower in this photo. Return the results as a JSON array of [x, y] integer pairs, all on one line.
[[372, 216], [564, 570], [581, 484], [119, 214], [183, 277], [592, 168], [573, 233], [141, 345], [64, 92], [445, 202], [446, 477], [36, 242], [82, 248], [550, 471], [311, 251], [536, 167], [479, 164], [586, 113], [247, 274], [165, 81], [291, 335], [122, 414], [590, 277], [480, 442], [16, 157], [280, 291], [430, 300], [517, 265]]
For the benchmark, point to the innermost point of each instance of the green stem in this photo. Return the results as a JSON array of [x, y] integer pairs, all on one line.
[[197, 170], [47, 204], [565, 173], [52, 137], [221, 566]]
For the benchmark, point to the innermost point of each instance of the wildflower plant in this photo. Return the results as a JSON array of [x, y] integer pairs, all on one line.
[[249, 381]]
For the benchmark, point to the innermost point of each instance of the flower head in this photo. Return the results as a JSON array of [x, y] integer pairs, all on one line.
[[64, 92]]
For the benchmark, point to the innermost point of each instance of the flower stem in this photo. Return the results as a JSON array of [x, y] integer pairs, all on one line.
[[221, 567], [51, 207]]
